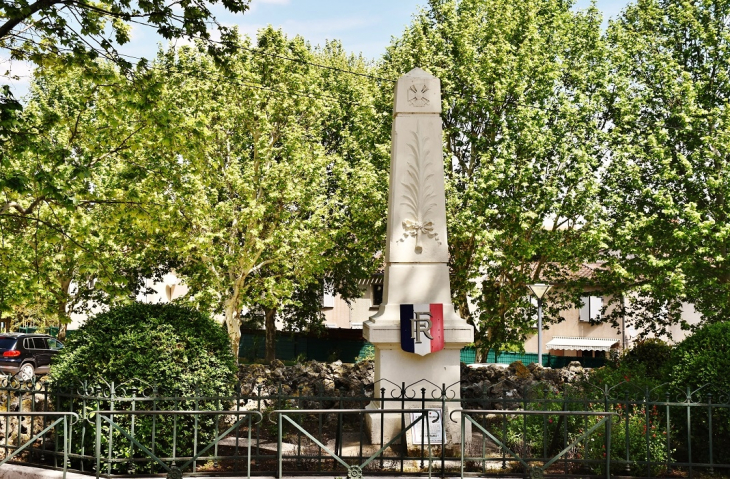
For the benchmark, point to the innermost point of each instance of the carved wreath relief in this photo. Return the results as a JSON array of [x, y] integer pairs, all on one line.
[[419, 198], [417, 95]]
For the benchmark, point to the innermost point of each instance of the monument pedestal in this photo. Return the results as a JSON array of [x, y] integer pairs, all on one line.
[[421, 376]]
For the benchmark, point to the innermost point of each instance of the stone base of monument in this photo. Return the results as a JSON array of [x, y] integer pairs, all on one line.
[[405, 380]]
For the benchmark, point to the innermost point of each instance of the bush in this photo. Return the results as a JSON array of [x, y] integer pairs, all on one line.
[[626, 378], [643, 429], [642, 367], [154, 352], [703, 357], [534, 435], [701, 363], [173, 347], [654, 354]]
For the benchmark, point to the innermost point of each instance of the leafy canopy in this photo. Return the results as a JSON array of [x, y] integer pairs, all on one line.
[[665, 190]]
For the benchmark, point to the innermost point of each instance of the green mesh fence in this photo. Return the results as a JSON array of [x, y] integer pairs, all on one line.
[[290, 347]]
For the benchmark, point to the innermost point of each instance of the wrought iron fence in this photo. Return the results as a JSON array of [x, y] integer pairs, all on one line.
[[508, 428]]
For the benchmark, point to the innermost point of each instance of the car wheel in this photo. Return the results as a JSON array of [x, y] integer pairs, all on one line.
[[26, 372]]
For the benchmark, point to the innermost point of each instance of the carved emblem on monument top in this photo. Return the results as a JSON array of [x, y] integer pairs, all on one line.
[[417, 95], [419, 198]]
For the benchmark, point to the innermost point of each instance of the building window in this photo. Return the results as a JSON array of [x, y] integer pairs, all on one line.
[[377, 294], [590, 309], [328, 298]]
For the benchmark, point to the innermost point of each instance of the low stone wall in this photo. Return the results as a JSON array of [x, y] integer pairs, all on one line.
[[314, 378], [307, 379]]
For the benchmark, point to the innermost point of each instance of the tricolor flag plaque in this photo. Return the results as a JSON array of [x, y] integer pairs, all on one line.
[[422, 328]]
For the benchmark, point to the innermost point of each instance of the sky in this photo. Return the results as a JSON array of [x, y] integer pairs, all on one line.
[[362, 26]]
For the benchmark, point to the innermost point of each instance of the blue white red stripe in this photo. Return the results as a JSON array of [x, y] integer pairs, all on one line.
[[408, 342]]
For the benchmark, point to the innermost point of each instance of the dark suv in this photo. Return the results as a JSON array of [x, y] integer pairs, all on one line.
[[27, 354]]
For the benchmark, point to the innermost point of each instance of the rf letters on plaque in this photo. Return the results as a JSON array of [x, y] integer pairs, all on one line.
[[422, 328]]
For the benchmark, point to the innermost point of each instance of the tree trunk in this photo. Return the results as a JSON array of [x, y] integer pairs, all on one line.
[[233, 325], [270, 315], [62, 331], [63, 317], [463, 308]]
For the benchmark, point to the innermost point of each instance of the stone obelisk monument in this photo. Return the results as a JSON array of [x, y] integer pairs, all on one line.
[[416, 332]]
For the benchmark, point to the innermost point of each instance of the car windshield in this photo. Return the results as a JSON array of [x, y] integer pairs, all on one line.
[[7, 343]]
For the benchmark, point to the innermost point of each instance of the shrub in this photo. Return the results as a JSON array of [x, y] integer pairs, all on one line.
[[162, 350], [626, 378], [643, 429], [534, 435], [701, 363], [174, 347], [543, 436], [642, 367], [703, 357], [652, 353]]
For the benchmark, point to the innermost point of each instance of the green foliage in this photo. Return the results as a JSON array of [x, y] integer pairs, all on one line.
[[624, 377], [652, 353], [536, 435], [700, 366], [562, 147], [644, 428], [367, 353], [176, 348], [269, 180], [665, 186], [162, 350], [55, 32], [642, 367], [75, 224], [190, 165], [702, 358], [539, 436]]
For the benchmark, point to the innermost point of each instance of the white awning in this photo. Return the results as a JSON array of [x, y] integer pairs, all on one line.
[[581, 344]]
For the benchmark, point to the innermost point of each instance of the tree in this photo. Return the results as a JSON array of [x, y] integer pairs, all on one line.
[[90, 238], [356, 191], [666, 188], [523, 143], [69, 31], [248, 178], [59, 34], [176, 168]]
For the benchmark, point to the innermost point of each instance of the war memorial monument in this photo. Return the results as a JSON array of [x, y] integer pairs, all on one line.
[[417, 334]]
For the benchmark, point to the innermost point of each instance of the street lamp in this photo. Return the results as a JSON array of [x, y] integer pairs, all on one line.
[[539, 291]]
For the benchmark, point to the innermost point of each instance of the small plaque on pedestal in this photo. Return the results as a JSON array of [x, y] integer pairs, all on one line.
[[420, 433]]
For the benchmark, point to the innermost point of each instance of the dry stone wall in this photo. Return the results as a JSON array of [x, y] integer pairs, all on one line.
[[337, 379]]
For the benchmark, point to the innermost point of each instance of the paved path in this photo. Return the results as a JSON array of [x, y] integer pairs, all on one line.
[[12, 471]]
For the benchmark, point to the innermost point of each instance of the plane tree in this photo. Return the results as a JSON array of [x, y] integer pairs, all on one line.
[[666, 187], [257, 196], [88, 240]]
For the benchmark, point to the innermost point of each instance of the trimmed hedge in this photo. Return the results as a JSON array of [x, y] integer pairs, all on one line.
[[176, 348]]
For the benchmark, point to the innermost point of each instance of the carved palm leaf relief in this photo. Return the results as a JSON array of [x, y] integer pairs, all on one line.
[[419, 197]]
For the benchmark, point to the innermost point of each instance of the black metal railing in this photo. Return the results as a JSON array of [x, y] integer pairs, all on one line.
[[497, 429]]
